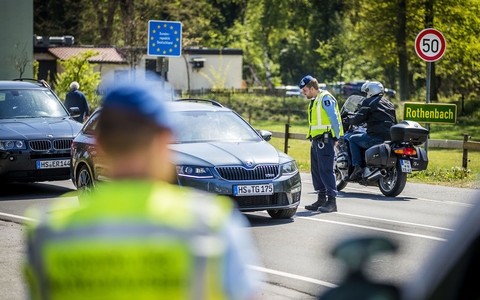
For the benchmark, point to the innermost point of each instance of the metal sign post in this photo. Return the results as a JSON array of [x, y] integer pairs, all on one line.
[[430, 45], [429, 78]]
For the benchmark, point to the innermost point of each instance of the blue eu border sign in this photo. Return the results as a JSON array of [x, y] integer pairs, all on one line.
[[164, 38]]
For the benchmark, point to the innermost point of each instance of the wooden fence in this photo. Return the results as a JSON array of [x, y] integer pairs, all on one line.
[[446, 144]]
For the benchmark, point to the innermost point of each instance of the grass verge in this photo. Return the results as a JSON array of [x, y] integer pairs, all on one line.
[[444, 167]]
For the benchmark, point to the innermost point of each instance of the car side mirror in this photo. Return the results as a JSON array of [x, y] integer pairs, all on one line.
[[74, 111], [355, 253], [266, 135]]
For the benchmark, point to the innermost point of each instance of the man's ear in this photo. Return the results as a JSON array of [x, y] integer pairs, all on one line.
[[161, 167]]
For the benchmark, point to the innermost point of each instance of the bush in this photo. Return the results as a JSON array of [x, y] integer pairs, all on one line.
[[443, 175], [78, 69]]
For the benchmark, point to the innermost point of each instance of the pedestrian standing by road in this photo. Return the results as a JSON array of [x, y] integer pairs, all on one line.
[[137, 236], [75, 98], [325, 127]]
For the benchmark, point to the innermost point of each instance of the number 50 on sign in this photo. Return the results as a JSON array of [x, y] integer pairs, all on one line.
[[430, 44]]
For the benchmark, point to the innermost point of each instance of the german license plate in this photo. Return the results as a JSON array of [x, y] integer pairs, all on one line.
[[53, 164], [253, 190], [406, 166]]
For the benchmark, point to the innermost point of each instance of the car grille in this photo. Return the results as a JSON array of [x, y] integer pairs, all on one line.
[[62, 144], [40, 145], [240, 173], [277, 199]]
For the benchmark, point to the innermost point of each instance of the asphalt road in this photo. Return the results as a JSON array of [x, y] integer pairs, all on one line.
[[295, 254]]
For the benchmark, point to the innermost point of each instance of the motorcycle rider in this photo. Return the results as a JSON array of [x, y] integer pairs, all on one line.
[[379, 114]]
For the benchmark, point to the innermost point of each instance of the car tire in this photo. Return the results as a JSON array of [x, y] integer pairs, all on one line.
[[84, 179], [282, 213]]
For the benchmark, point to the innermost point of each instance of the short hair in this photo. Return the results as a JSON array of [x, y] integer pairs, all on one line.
[[313, 83], [74, 85], [121, 132]]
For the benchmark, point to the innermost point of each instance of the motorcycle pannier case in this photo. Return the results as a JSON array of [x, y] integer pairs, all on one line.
[[380, 156], [419, 162], [408, 131]]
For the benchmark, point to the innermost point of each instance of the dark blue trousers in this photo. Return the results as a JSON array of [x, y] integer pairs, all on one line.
[[322, 167]]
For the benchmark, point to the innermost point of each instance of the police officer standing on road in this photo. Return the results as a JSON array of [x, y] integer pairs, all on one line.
[[325, 127], [137, 236]]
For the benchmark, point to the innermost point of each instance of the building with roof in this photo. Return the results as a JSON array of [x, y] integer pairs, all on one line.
[[16, 50], [196, 69], [109, 58]]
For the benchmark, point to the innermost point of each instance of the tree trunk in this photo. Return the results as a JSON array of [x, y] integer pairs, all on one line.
[[402, 50], [268, 71], [105, 17]]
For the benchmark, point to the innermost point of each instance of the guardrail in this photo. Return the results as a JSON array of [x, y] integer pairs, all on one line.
[[446, 144]]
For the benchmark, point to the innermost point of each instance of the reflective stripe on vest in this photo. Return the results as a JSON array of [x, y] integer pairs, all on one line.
[[164, 245], [318, 120]]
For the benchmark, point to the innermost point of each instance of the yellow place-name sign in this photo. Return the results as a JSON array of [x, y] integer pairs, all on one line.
[[430, 113]]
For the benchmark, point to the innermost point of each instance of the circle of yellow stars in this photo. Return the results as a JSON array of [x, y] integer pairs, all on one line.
[[175, 45]]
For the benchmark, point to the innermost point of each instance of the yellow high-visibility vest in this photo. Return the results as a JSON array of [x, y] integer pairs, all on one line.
[[134, 240], [318, 120]]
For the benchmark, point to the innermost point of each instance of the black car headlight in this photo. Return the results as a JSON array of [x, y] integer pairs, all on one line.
[[12, 144], [288, 168], [195, 172]]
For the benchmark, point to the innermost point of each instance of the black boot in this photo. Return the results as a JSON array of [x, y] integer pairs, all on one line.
[[321, 199], [330, 206], [357, 172]]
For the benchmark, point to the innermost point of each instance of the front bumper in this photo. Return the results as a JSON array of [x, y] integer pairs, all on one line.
[[21, 165], [287, 191]]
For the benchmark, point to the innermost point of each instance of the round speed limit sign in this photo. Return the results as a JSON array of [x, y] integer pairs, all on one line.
[[430, 44]]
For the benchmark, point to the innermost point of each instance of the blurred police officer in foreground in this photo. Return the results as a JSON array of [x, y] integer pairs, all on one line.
[[139, 237], [325, 128]]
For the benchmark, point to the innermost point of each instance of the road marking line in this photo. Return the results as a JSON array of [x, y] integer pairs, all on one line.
[[293, 276], [18, 217], [375, 228], [393, 221], [423, 199]]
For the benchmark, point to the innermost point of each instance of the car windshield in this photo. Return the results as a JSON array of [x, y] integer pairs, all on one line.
[[211, 126], [29, 103]]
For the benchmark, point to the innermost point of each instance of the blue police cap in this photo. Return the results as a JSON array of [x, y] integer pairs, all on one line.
[[304, 81], [141, 100]]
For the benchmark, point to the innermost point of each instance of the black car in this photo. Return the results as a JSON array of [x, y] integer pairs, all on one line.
[[36, 132], [354, 88], [217, 151]]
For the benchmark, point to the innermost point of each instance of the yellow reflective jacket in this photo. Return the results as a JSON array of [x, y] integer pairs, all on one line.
[[133, 240], [318, 119]]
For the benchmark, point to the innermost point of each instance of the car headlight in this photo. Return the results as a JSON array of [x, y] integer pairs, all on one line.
[[12, 144], [289, 168], [195, 172]]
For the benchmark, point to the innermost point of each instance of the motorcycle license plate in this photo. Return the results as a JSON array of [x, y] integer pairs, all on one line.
[[406, 166]]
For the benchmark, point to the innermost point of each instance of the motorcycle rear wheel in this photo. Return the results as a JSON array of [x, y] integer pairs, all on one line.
[[394, 182]]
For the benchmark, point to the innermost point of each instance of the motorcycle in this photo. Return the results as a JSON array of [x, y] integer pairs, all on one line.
[[386, 165]]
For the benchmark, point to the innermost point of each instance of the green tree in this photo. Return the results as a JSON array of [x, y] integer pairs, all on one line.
[[78, 69]]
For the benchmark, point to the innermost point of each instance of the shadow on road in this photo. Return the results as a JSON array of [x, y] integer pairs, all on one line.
[[26, 191], [259, 221], [374, 197]]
